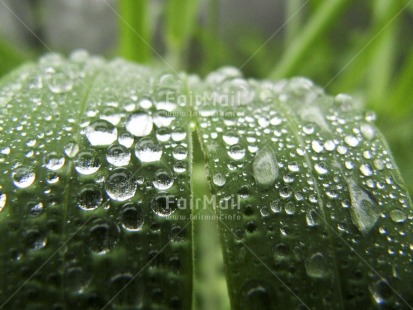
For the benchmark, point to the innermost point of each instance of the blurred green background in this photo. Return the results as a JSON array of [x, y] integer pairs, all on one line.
[[364, 48]]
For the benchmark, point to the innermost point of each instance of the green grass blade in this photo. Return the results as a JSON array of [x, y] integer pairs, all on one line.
[[309, 196], [95, 191], [319, 24], [134, 35], [294, 16], [10, 57], [180, 24]]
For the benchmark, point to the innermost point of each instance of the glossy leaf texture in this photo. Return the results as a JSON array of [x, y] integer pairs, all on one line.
[[312, 211], [95, 165]]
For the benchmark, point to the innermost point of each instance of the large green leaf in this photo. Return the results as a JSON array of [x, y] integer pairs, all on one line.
[[313, 213], [92, 166], [96, 197]]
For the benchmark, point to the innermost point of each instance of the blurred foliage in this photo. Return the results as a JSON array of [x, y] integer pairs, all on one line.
[[362, 48]]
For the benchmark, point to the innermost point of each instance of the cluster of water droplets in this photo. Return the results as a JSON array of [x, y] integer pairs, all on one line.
[[102, 156], [303, 166]]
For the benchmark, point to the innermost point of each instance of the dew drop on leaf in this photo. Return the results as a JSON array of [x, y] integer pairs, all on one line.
[[132, 217], [101, 132], [146, 150], [163, 118], [218, 179], [103, 237], [316, 266], [230, 138], [351, 141], [59, 83], [163, 134], [87, 162], [236, 152], [180, 152], [23, 176], [126, 139], [163, 180], [364, 213], [320, 168], [398, 216], [178, 134], [118, 155], [34, 208], [265, 167], [53, 161], [164, 204], [139, 124], [120, 185], [3, 200], [381, 291], [71, 149], [90, 197]]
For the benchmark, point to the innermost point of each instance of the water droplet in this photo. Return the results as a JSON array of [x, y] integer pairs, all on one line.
[[329, 145], [103, 237], [126, 139], [3, 200], [139, 124], [317, 146], [163, 180], [59, 83], [71, 149], [180, 152], [230, 138], [101, 132], [120, 185], [163, 134], [163, 118], [321, 168], [398, 216], [90, 197], [275, 121], [312, 218], [164, 204], [179, 167], [365, 169], [35, 239], [148, 151], [290, 208], [316, 266], [309, 128], [257, 297], [53, 161], [276, 206], [379, 164], [293, 167], [236, 152], [281, 252], [265, 167], [87, 162], [367, 131], [118, 155], [351, 141], [178, 134], [286, 192], [34, 208], [132, 217], [219, 179], [109, 114], [381, 291], [23, 176], [363, 209]]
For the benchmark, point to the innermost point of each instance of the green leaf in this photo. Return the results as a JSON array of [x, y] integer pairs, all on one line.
[[313, 213], [99, 203], [90, 179]]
